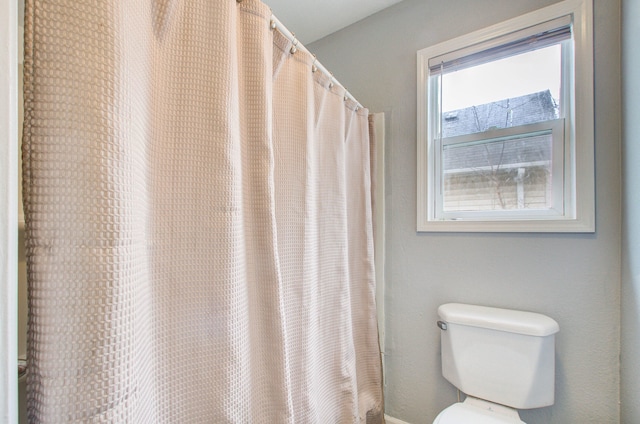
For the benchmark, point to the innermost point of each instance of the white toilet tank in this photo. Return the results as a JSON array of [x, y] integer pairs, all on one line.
[[500, 355]]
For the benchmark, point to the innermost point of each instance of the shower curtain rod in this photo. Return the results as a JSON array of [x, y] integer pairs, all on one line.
[[276, 24]]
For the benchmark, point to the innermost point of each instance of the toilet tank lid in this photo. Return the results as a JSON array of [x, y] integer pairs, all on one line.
[[520, 322]]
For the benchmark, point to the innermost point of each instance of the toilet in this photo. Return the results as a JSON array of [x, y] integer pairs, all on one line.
[[501, 359]]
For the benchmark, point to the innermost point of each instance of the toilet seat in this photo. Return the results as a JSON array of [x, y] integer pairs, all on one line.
[[477, 411]]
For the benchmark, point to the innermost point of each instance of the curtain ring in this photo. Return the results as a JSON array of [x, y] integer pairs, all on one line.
[[273, 24], [294, 48], [314, 68]]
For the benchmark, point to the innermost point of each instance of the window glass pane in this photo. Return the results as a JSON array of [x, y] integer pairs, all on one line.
[[498, 174], [509, 92]]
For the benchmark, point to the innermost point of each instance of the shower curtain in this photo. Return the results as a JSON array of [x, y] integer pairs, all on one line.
[[198, 216]]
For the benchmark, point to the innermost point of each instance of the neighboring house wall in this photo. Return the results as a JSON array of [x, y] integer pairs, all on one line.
[[630, 366], [516, 188], [574, 278]]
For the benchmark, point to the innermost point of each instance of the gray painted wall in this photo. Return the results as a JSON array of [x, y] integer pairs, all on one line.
[[574, 278], [630, 367]]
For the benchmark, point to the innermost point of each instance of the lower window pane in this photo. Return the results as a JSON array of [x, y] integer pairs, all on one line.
[[498, 174]]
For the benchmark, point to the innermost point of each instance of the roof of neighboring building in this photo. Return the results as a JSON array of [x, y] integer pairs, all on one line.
[[527, 109]]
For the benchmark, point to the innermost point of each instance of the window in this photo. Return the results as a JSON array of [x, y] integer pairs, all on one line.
[[505, 126]]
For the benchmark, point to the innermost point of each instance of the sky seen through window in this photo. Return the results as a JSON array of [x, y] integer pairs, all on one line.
[[515, 76]]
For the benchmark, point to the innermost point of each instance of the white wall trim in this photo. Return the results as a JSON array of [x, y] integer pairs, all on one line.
[[391, 420], [379, 242], [8, 211]]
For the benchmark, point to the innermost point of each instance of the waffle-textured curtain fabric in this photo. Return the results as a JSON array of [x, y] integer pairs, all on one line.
[[199, 234]]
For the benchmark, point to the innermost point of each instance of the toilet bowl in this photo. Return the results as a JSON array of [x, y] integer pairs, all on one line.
[[501, 359]]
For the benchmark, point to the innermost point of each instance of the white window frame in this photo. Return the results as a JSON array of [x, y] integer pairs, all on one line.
[[578, 205], [8, 211]]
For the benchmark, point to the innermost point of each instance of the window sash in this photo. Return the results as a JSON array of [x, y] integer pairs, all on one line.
[[560, 187], [435, 118], [553, 127]]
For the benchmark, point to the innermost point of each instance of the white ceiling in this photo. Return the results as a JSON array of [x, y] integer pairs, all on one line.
[[312, 20]]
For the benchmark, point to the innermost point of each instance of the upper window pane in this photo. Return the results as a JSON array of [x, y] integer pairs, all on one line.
[[512, 91]]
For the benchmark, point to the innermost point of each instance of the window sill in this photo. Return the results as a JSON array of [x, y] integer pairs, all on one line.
[[585, 225]]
